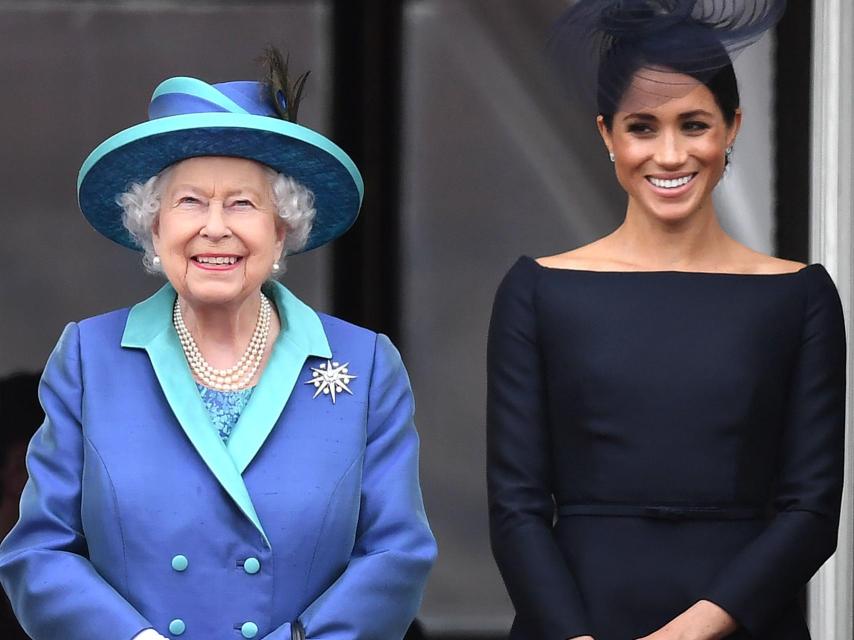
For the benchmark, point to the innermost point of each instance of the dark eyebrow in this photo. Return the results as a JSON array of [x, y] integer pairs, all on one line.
[[640, 116], [694, 114], [648, 117]]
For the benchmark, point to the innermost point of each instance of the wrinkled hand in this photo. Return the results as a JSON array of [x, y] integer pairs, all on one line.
[[703, 621]]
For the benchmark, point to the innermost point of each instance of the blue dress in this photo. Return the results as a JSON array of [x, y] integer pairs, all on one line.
[[658, 438], [224, 407], [136, 516]]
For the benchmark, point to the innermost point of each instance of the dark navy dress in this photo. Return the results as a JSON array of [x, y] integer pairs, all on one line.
[[657, 438]]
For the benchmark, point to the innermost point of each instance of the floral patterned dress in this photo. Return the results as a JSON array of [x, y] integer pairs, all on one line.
[[224, 407]]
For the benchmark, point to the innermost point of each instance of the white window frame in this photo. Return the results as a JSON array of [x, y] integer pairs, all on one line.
[[831, 592]]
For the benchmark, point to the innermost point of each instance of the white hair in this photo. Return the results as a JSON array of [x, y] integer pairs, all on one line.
[[294, 204]]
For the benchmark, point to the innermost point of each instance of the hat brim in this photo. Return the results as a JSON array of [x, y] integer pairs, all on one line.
[[142, 151]]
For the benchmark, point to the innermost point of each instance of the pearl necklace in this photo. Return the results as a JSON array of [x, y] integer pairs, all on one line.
[[241, 374]]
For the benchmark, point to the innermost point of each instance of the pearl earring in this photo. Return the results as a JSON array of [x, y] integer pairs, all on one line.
[[612, 156], [276, 267], [155, 261]]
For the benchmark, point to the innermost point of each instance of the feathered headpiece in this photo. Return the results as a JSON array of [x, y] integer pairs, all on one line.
[[599, 45], [284, 95]]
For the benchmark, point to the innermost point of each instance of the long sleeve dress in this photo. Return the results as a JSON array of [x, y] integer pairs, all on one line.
[[657, 438]]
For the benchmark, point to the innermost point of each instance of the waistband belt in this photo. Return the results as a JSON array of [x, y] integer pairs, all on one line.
[[664, 512]]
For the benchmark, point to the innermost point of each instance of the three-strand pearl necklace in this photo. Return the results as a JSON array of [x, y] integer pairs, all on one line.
[[242, 373]]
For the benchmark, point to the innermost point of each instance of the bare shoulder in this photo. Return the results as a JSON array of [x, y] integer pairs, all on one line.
[[599, 256], [761, 263], [587, 257]]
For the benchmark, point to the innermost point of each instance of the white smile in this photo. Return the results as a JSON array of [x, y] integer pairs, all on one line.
[[216, 259], [671, 184]]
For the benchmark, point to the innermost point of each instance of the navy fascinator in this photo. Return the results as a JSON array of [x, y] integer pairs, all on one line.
[[602, 47]]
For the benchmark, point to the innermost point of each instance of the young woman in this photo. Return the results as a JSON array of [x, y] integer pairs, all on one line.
[[665, 404]]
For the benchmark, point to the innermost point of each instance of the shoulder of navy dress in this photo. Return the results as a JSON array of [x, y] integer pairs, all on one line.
[[817, 274], [513, 316], [823, 311], [519, 282], [525, 266], [820, 288]]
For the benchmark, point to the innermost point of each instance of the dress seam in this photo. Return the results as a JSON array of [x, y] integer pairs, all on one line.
[[118, 514]]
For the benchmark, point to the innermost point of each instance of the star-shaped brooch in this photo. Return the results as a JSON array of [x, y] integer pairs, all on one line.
[[331, 379]]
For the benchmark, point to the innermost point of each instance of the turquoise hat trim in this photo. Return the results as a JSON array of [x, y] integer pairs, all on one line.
[[144, 150], [198, 88], [207, 120]]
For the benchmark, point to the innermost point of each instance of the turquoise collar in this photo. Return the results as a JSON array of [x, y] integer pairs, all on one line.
[[300, 323], [149, 326]]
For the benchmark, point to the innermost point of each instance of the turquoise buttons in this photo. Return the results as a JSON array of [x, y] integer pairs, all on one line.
[[180, 563], [252, 566], [249, 630], [177, 627]]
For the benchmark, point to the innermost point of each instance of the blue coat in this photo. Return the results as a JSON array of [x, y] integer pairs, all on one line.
[[137, 515]]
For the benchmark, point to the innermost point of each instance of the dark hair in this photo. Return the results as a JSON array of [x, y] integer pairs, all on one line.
[[21, 411], [600, 45], [707, 61], [20, 408]]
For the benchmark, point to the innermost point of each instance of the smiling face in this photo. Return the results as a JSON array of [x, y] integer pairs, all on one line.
[[669, 157], [217, 233]]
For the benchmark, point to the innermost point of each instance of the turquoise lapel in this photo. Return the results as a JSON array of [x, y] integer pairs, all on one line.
[[301, 336], [149, 327]]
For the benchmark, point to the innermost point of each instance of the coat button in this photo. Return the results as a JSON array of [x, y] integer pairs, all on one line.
[[177, 627], [180, 563], [251, 566], [249, 630]]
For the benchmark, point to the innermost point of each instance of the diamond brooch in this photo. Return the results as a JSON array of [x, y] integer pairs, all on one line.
[[330, 379]]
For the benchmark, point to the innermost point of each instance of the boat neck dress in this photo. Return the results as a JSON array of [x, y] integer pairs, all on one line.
[[655, 438]]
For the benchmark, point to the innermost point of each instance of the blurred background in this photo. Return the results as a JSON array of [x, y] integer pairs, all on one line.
[[472, 156]]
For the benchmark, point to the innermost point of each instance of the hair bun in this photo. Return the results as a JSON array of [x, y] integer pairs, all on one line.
[[641, 18], [620, 36]]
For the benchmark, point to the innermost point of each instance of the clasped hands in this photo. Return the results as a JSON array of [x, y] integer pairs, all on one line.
[[703, 621]]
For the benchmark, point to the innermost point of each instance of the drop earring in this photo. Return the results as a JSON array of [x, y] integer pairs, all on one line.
[[612, 156]]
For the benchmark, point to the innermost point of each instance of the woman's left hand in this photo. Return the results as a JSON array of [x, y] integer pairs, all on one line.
[[703, 621]]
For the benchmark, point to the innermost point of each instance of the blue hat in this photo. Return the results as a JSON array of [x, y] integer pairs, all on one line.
[[190, 118]]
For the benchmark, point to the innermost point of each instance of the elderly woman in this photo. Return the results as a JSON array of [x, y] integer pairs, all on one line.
[[220, 461]]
